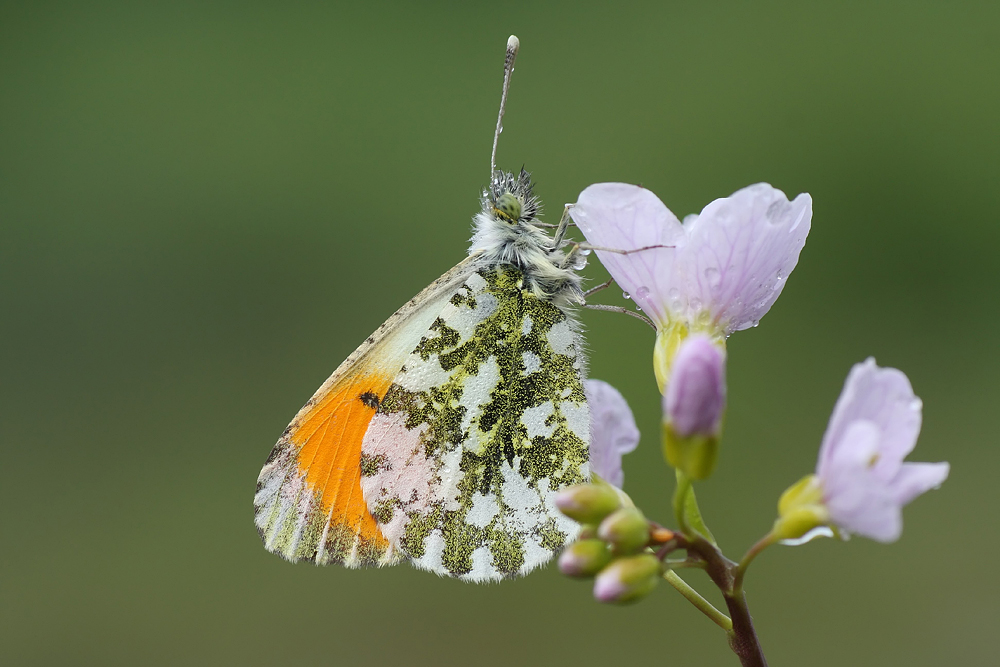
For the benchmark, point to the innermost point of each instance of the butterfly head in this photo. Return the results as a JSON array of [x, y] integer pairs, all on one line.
[[509, 198]]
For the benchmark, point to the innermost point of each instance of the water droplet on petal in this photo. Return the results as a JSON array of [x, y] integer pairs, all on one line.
[[642, 292], [674, 295], [695, 303], [713, 277], [626, 295]]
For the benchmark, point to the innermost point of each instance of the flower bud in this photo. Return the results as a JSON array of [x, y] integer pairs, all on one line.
[[627, 579], [588, 503], [626, 529], [693, 406], [696, 396], [584, 558]]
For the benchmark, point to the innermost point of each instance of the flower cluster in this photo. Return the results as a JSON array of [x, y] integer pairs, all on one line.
[[613, 543], [699, 281]]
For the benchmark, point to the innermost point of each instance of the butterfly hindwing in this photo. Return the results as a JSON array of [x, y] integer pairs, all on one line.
[[484, 422], [309, 504]]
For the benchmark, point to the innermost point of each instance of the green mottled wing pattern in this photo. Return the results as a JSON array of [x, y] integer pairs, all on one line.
[[485, 422]]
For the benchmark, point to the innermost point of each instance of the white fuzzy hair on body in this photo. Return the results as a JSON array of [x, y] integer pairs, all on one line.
[[499, 239]]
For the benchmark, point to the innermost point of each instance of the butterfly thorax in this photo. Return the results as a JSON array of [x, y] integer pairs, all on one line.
[[507, 232]]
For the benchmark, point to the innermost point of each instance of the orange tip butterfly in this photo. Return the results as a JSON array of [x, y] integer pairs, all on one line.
[[445, 436]]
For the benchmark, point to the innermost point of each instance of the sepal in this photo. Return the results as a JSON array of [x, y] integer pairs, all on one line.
[[800, 510]]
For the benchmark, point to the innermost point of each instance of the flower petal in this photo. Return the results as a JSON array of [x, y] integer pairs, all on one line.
[[696, 393], [884, 397], [914, 479], [613, 432], [860, 503], [738, 253], [627, 217]]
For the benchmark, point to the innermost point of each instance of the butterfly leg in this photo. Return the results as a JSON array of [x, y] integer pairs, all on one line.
[[564, 222], [598, 288], [618, 251], [619, 309]]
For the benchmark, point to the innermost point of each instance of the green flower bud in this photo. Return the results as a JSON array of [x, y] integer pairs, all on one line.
[[626, 529], [588, 503], [627, 579], [584, 558]]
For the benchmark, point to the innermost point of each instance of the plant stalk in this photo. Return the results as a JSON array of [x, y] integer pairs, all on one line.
[[743, 638], [725, 574], [695, 598]]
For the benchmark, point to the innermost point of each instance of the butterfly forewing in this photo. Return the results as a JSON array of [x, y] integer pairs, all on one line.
[[484, 422], [309, 504]]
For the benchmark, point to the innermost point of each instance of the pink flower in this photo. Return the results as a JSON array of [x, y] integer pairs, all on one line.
[[613, 432], [725, 266], [862, 476]]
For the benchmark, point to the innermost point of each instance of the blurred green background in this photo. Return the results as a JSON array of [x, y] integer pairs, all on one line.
[[204, 207]]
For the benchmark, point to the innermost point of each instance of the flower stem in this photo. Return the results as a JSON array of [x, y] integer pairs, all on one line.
[[723, 572], [740, 571], [743, 638], [680, 495], [695, 598]]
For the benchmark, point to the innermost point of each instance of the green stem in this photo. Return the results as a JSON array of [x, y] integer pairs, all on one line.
[[677, 564], [740, 571], [695, 598], [680, 495]]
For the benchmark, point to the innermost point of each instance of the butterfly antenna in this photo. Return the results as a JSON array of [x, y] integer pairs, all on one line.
[[513, 44]]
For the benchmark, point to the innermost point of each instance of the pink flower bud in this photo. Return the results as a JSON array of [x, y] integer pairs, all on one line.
[[626, 529], [696, 394], [584, 558], [627, 579], [588, 503]]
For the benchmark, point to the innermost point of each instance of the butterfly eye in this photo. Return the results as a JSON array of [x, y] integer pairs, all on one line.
[[508, 207]]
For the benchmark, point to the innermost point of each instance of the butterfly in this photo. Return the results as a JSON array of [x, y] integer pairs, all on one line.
[[445, 436]]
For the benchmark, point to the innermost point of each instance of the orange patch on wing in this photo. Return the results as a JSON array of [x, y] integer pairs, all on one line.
[[329, 436]]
